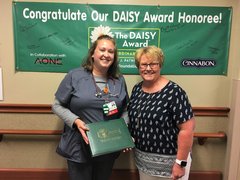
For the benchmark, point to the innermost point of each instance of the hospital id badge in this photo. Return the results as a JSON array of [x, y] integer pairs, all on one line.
[[110, 108]]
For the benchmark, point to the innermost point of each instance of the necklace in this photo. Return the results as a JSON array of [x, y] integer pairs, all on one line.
[[105, 89]]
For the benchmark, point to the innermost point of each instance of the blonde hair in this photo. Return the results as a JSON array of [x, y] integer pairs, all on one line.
[[152, 52]]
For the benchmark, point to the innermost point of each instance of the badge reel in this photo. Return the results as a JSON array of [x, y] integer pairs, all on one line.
[[110, 108]]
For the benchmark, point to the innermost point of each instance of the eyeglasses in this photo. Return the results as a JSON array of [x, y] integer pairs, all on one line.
[[151, 65]]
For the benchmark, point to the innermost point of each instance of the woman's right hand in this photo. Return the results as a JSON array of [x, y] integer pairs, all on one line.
[[82, 129]]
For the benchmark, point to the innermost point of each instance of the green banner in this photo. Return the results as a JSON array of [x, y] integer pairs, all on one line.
[[55, 37]]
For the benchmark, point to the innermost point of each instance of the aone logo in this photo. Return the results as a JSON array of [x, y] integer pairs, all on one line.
[[56, 61], [198, 63]]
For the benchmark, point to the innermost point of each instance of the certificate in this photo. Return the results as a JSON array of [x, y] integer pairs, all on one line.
[[109, 136]]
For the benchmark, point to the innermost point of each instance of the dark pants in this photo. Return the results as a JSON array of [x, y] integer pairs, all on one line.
[[94, 170]]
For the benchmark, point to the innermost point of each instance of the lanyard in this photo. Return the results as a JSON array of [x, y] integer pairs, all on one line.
[[109, 107], [106, 90]]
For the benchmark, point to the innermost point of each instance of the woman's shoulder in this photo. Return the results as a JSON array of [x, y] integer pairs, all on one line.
[[174, 86], [121, 77], [77, 70], [77, 74], [138, 86], [80, 71]]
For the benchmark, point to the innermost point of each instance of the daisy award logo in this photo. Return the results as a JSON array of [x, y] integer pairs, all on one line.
[[128, 41]]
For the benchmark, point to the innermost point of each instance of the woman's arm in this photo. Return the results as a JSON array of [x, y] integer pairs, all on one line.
[[70, 118], [64, 113], [185, 141]]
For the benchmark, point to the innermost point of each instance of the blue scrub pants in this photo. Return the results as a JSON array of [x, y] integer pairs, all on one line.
[[94, 170]]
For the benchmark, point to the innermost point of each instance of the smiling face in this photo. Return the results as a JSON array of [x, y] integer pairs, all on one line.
[[103, 56], [149, 68]]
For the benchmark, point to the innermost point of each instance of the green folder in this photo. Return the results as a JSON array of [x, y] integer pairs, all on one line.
[[109, 136]]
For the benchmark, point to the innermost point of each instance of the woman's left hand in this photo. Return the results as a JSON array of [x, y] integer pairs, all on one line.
[[177, 171], [82, 129]]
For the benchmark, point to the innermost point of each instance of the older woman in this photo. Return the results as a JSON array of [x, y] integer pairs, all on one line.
[[161, 121]]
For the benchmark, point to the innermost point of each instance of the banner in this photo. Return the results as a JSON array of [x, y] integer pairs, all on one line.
[[55, 37]]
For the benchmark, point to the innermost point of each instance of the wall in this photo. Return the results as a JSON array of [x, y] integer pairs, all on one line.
[[39, 88], [30, 87], [233, 147], [232, 166]]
